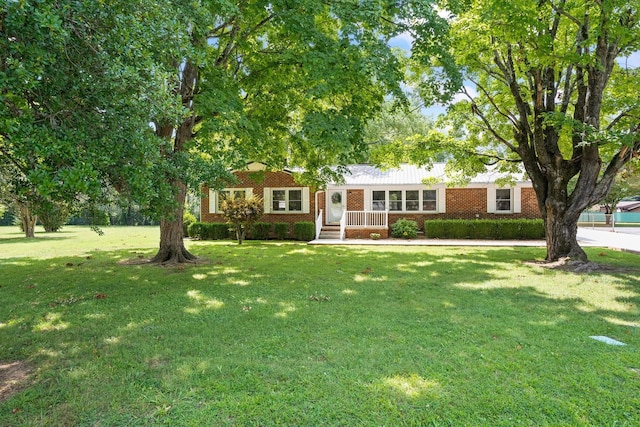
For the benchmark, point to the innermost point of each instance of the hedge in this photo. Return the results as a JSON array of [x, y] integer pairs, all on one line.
[[304, 230], [281, 230], [260, 230], [499, 229], [209, 230]]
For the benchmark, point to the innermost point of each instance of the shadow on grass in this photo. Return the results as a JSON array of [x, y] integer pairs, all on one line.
[[332, 336]]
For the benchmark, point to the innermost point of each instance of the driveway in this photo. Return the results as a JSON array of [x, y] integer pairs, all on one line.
[[625, 238]]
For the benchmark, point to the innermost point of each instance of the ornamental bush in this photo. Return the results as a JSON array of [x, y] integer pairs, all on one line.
[[304, 230], [241, 214], [404, 228], [187, 219]]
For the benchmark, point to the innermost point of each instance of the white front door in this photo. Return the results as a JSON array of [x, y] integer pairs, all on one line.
[[336, 203]]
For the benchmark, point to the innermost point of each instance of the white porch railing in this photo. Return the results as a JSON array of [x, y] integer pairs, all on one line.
[[365, 219], [318, 224]]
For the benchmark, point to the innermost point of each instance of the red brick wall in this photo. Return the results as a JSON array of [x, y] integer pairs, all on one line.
[[471, 203], [363, 233], [355, 200], [530, 207], [259, 181]]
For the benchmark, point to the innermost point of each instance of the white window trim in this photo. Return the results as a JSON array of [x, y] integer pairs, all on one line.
[[440, 198], [214, 196], [516, 200], [268, 196]]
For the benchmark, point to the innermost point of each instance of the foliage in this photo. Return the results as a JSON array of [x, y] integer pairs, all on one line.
[[502, 229], [80, 85], [188, 219], [304, 230], [281, 230], [546, 91], [208, 230], [261, 230], [402, 134], [404, 228], [53, 215], [241, 213], [627, 184], [441, 335]]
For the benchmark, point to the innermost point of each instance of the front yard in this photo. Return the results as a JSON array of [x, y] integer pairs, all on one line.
[[282, 333]]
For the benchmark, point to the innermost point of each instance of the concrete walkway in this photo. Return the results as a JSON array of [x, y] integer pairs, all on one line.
[[586, 237]]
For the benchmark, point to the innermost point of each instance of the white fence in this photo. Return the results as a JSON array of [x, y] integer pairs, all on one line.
[[616, 218], [367, 219]]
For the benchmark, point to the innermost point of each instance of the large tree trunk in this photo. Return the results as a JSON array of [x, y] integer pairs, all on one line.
[[172, 250], [561, 230], [28, 220]]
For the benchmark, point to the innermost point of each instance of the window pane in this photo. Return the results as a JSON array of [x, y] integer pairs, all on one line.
[[379, 200], [278, 200], [503, 200], [413, 200], [395, 200], [429, 202], [240, 194], [295, 200]]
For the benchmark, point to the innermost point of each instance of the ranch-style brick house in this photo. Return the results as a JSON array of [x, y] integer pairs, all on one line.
[[369, 199]]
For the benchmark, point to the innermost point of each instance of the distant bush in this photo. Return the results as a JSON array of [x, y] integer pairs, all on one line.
[[261, 230], [53, 215], [493, 229], [194, 229], [404, 228], [187, 219], [304, 230], [281, 230]]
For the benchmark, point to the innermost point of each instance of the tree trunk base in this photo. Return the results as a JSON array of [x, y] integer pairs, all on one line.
[[168, 256]]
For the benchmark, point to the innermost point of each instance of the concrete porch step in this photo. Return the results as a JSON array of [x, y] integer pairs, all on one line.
[[330, 232]]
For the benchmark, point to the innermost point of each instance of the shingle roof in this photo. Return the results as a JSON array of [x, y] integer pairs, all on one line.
[[406, 174]]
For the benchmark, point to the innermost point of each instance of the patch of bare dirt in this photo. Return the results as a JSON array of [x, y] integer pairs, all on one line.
[[578, 266], [14, 376]]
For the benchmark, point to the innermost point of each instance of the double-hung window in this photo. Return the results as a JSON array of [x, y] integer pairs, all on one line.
[[430, 200], [395, 200], [412, 200], [286, 200], [503, 200], [379, 200], [404, 200]]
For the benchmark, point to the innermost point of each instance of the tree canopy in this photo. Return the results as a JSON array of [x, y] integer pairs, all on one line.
[[286, 83], [79, 85]]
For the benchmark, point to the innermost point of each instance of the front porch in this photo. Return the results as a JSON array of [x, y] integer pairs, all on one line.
[[353, 225]]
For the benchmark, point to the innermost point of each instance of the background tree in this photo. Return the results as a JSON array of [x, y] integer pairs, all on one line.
[[552, 96], [627, 184], [401, 134], [241, 213]]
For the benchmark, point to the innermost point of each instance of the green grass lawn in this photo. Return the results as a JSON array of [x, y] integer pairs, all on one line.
[[282, 333]]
